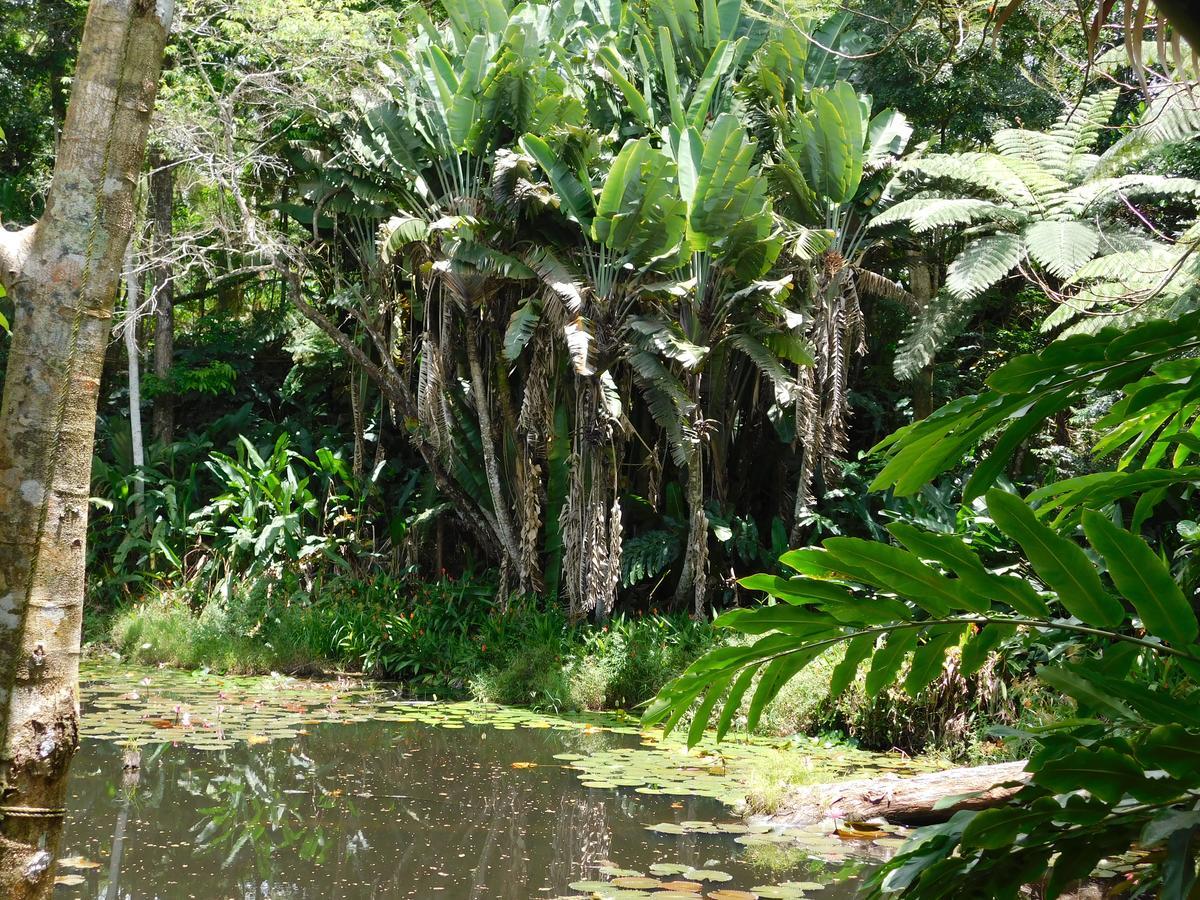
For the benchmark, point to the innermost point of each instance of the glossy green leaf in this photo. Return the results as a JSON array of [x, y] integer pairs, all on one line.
[[1059, 562], [1144, 579]]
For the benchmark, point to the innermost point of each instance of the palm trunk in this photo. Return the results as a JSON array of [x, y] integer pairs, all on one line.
[[162, 201], [692, 581], [63, 295], [491, 465]]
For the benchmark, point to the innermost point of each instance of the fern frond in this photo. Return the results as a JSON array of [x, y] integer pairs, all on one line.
[[927, 213], [988, 173], [668, 340], [562, 284], [873, 283], [1049, 151], [1084, 200], [1172, 117], [982, 263], [940, 321], [787, 391], [666, 398], [1080, 127], [1061, 248]]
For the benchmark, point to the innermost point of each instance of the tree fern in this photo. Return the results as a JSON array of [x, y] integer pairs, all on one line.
[[982, 263], [937, 323], [926, 213], [1061, 248]]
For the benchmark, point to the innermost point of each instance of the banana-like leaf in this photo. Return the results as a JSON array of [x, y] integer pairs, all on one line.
[[575, 196], [521, 326]]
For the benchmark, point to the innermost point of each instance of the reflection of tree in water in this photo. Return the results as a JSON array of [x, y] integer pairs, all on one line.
[[582, 839], [506, 813]]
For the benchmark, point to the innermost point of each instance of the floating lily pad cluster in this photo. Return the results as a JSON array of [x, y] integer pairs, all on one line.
[[674, 881], [139, 707], [668, 767]]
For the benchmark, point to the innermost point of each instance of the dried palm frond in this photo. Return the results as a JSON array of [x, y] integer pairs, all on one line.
[[836, 332], [431, 412], [534, 422], [1176, 26], [531, 524], [616, 534], [570, 524]]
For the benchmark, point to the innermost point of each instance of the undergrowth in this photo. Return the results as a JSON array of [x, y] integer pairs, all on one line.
[[453, 638]]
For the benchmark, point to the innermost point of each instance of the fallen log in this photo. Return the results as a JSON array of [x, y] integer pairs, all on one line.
[[901, 801]]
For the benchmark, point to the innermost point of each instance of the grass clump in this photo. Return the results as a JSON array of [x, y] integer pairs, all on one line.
[[773, 776]]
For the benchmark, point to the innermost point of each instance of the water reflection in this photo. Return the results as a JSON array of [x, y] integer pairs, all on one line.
[[373, 809]]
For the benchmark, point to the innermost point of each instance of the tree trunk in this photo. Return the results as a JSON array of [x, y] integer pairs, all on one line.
[[924, 287], [133, 297], [162, 203], [474, 517], [491, 464], [63, 296], [692, 580], [902, 801]]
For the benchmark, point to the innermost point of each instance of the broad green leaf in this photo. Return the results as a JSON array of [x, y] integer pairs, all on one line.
[[1085, 692], [575, 197], [778, 617], [775, 675], [1144, 579], [928, 659], [1102, 772], [993, 829], [900, 571], [666, 51], [633, 97], [857, 650], [980, 646], [1174, 749], [889, 658], [734, 701], [716, 690], [1059, 562], [521, 326], [979, 586]]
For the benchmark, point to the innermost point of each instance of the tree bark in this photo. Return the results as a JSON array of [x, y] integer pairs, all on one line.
[[63, 296], [692, 579], [474, 517], [902, 801], [491, 464], [923, 288], [133, 302], [162, 203]]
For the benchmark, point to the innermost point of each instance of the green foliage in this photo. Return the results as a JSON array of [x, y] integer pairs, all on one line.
[[1150, 426], [1044, 201]]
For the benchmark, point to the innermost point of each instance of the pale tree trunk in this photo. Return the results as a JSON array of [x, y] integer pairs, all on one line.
[[491, 464], [924, 286], [162, 201], [693, 579], [64, 295], [133, 299], [918, 800]]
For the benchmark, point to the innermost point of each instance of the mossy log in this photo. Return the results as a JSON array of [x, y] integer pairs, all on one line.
[[917, 800]]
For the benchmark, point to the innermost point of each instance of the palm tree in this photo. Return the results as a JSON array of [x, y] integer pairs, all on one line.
[[828, 166]]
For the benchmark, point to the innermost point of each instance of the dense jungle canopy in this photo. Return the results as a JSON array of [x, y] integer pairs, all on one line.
[[783, 366]]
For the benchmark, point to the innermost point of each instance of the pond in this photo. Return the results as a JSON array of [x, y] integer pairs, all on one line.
[[200, 786]]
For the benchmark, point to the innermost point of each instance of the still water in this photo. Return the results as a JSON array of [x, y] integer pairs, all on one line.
[[245, 788]]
